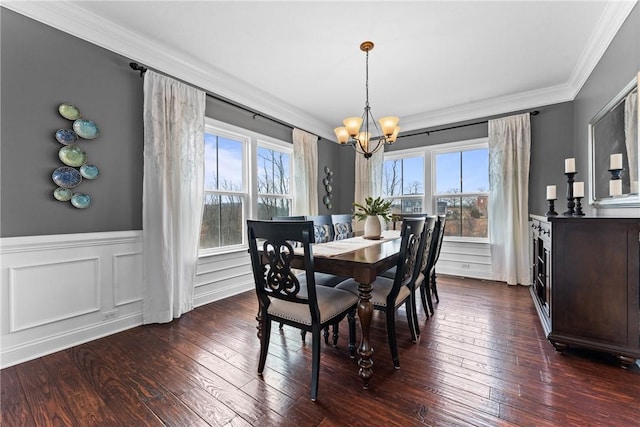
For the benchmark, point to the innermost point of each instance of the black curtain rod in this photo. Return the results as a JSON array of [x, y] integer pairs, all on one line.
[[533, 113], [137, 67]]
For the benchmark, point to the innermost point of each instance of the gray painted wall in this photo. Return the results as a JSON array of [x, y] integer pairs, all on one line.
[[42, 67], [618, 66]]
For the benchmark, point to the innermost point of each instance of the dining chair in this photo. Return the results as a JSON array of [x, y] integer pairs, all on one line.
[[429, 285], [322, 227], [342, 226], [429, 233], [322, 279], [389, 294], [289, 298]]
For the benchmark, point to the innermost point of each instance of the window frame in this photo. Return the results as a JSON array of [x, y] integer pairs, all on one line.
[[251, 141], [429, 153], [405, 154]]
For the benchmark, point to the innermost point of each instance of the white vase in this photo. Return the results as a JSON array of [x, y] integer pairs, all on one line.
[[372, 227]]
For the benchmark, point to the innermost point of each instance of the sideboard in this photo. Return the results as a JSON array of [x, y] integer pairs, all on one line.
[[585, 283]]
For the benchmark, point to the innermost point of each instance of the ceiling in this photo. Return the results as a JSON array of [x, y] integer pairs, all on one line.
[[434, 62]]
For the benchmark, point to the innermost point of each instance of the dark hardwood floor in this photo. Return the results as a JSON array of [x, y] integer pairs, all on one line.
[[481, 360]]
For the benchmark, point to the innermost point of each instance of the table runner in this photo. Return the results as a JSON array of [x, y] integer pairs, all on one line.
[[338, 247]]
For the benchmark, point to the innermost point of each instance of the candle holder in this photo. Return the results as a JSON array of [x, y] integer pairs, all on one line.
[[552, 209], [570, 203], [616, 174], [578, 211]]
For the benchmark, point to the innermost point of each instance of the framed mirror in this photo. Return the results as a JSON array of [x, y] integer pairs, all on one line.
[[614, 144]]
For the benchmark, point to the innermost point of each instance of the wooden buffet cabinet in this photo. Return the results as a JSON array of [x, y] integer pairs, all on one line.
[[585, 283]]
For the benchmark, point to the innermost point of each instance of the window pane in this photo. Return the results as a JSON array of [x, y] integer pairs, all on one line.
[[475, 171], [410, 206], [466, 216], [223, 166], [273, 171], [413, 175], [448, 173], [269, 207], [391, 177], [221, 221]]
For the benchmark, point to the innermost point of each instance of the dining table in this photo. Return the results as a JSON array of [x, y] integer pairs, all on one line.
[[362, 259]]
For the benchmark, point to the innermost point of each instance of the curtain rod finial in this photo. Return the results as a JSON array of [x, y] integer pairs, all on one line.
[[135, 66]]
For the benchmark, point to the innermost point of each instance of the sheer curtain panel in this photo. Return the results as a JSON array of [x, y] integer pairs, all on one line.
[[368, 181], [305, 173], [172, 199], [509, 155]]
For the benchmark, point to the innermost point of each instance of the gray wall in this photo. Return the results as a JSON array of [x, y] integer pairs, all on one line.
[[618, 66], [41, 68]]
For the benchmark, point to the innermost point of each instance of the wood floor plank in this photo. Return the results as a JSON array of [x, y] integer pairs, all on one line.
[[481, 360]]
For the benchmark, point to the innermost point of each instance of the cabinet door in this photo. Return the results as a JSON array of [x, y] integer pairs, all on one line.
[[590, 287]]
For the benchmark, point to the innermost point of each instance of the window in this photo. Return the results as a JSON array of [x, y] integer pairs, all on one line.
[[274, 182], [225, 192], [246, 175], [462, 190], [447, 179], [403, 183]]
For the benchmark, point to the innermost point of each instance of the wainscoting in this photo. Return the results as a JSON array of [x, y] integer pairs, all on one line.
[[465, 259], [59, 291]]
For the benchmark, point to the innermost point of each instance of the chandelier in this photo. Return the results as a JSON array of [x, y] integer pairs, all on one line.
[[362, 141]]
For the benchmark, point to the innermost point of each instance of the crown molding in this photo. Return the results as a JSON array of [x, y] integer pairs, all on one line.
[[76, 21], [489, 107], [615, 13]]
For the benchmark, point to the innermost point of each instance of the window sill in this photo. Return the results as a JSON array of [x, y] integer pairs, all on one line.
[[208, 253], [477, 240]]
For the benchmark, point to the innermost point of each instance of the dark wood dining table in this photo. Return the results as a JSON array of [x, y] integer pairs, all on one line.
[[364, 265]]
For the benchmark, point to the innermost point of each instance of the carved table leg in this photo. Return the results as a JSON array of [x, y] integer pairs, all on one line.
[[365, 313]]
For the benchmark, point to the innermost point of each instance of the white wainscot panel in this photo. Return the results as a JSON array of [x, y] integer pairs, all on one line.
[[46, 293], [58, 291], [465, 259], [127, 278], [221, 276]]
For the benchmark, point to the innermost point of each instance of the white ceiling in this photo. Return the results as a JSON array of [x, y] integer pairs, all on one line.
[[434, 62]]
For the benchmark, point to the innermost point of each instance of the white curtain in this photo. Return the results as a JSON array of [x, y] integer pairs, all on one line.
[[509, 155], [305, 173], [631, 119], [368, 180], [172, 197]]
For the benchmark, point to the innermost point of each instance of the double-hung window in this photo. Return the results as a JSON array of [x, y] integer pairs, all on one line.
[[246, 175], [461, 189], [403, 178], [449, 179]]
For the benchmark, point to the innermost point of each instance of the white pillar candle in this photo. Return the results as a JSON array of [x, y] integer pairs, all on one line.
[[615, 161], [551, 192], [615, 187], [569, 165], [578, 189]]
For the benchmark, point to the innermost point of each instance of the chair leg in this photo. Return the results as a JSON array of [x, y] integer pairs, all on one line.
[[351, 317], [412, 317], [336, 334], [391, 336], [303, 334], [315, 362], [264, 343], [434, 288], [325, 334], [425, 296], [281, 325]]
